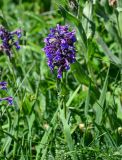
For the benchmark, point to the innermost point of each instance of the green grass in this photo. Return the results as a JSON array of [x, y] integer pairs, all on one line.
[[80, 116]]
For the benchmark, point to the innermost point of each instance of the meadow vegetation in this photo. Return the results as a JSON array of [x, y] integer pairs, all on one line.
[[77, 116]]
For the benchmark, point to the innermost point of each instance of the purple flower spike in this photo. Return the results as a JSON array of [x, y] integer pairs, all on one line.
[[9, 99], [3, 85], [59, 48], [8, 40]]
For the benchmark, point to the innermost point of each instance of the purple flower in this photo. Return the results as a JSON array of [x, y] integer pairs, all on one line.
[[18, 33], [59, 48], [3, 85], [9, 99], [8, 40]]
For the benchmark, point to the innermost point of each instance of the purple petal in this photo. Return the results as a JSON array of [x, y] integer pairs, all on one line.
[[3, 85], [9, 99]]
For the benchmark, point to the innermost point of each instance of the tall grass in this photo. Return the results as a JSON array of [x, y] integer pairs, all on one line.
[[80, 116]]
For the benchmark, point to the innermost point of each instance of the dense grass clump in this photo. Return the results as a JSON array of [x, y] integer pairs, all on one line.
[[78, 115]]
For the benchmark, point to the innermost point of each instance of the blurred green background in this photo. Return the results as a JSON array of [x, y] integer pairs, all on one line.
[[35, 126]]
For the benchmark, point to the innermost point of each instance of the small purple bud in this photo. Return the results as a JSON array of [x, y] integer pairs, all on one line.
[[3, 85], [9, 99], [18, 33], [17, 45], [59, 72]]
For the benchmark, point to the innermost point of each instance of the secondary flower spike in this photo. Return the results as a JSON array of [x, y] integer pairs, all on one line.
[[8, 40], [60, 49]]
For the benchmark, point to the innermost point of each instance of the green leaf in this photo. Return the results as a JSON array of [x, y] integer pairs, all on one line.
[[87, 21], [76, 21], [107, 51], [34, 16], [73, 96], [87, 102], [3, 22], [45, 139], [67, 134], [120, 23], [79, 73], [98, 106], [119, 107]]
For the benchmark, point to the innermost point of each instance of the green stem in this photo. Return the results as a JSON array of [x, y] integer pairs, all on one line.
[[63, 116], [64, 96]]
